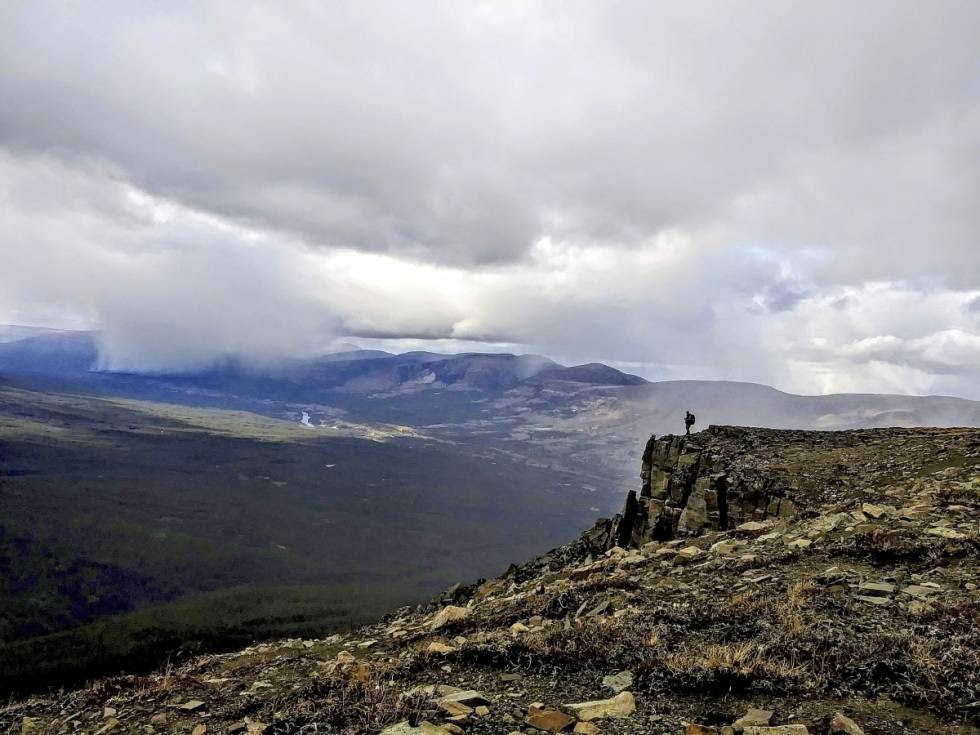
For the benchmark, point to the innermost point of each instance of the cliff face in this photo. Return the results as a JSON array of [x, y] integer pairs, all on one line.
[[689, 487], [725, 476]]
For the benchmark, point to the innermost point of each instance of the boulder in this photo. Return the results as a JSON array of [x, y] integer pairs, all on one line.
[[439, 648], [873, 511], [947, 533], [695, 513], [755, 527], [777, 730], [753, 718], [111, 725], [469, 697], [622, 705], [424, 728], [688, 553], [549, 720], [841, 724], [455, 709], [449, 614]]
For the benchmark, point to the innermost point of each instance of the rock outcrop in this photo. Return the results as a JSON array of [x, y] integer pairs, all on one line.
[[689, 487], [726, 477]]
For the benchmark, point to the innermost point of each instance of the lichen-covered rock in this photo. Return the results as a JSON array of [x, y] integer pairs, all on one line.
[[618, 682]]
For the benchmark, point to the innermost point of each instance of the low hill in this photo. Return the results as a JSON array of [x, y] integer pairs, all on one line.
[[758, 581], [594, 373]]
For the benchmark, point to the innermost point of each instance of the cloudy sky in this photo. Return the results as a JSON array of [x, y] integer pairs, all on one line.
[[786, 193]]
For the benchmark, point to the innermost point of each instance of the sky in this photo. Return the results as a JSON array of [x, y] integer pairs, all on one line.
[[784, 193]]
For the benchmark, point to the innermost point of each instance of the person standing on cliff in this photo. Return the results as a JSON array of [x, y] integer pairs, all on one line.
[[688, 422]]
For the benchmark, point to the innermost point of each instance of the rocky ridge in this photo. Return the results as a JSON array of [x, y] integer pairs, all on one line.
[[758, 581]]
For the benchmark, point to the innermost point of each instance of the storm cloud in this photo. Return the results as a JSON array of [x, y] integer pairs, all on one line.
[[785, 193]]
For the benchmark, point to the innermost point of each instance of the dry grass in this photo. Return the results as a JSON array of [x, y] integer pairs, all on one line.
[[355, 699], [803, 642], [789, 613], [728, 663]]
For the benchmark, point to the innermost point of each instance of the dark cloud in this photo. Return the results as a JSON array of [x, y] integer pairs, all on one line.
[[783, 295], [463, 133]]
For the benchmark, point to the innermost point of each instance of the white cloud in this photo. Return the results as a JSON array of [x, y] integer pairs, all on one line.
[[169, 287], [786, 195]]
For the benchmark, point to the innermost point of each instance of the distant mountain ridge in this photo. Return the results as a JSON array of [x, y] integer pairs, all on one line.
[[516, 396], [74, 354], [48, 352]]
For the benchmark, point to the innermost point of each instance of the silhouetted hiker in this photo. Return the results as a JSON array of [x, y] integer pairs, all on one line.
[[688, 422]]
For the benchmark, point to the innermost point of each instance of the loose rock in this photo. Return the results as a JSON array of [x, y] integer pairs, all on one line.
[[622, 705]]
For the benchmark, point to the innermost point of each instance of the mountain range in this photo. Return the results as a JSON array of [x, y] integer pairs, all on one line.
[[589, 416], [74, 358]]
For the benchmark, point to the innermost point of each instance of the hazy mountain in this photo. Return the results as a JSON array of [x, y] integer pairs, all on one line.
[[497, 391], [48, 352], [14, 332], [594, 372], [74, 355]]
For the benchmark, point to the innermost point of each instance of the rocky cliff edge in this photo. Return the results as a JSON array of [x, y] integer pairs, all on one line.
[[758, 582]]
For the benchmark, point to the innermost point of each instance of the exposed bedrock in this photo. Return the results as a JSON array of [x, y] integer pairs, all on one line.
[[725, 476], [687, 489]]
